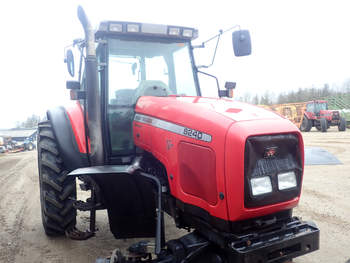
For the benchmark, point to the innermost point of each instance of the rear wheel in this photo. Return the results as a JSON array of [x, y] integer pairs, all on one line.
[[323, 125], [342, 124], [306, 125], [57, 189]]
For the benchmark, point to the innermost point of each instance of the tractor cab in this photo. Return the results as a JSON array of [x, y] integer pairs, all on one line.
[[140, 60], [135, 60]]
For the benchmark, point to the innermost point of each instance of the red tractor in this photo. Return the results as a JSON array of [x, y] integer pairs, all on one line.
[[317, 115], [144, 142]]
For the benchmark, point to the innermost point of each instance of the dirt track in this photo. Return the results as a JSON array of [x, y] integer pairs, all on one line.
[[325, 199]]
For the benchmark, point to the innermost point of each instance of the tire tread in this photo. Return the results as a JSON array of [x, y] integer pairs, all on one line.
[[57, 189]]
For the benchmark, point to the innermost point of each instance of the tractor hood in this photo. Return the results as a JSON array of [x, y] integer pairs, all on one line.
[[328, 112], [201, 142], [179, 109]]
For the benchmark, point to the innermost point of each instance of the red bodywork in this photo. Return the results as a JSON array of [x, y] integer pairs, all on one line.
[[216, 167], [76, 117]]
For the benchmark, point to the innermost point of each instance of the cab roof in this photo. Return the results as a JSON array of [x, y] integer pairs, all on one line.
[[122, 28]]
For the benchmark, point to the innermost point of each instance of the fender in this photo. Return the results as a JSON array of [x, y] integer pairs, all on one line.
[[66, 139], [127, 193]]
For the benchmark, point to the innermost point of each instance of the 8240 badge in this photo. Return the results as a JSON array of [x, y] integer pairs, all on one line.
[[196, 134], [193, 133]]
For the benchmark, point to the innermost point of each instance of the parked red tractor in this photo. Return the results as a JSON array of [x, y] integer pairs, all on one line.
[[317, 115], [144, 142]]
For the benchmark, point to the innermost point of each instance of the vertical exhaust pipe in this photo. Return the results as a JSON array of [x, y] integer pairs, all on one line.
[[92, 93]]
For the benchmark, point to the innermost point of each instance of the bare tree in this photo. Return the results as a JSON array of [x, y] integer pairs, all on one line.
[[31, 122]]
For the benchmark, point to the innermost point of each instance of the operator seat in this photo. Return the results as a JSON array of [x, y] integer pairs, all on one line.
[[155, 88]]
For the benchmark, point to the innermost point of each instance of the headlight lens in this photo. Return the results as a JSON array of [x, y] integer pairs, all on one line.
[[134, 28], [174, 31], [116, 27], [287, 180], [261, 185], [187, 33]]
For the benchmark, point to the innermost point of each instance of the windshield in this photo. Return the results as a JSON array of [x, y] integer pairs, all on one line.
[[321, 106], [139, 68], [316, 107]]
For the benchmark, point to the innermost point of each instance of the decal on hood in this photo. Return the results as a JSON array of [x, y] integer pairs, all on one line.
[[172, 127]]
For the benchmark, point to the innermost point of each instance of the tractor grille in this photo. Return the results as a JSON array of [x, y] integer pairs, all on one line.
[[270, 155]]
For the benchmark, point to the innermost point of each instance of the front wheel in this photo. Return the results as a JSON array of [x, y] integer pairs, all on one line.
[[306, 125], [57, 189], [342, 124], [323, 125]]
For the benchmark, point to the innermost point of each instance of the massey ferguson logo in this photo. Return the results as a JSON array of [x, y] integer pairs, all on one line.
[[270, 152]]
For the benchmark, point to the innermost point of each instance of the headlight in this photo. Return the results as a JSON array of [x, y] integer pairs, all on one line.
[[261, 185], [187, 33], [174, 31], [134, 28], [286, 180], [116, 27]]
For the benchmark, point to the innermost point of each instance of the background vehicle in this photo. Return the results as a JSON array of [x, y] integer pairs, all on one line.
[[317, 115], [19, 139], [29, 145], [3, 149], [144, 142]]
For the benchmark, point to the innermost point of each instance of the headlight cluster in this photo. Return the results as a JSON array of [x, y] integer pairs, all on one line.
[[272, 169], [263, 185]]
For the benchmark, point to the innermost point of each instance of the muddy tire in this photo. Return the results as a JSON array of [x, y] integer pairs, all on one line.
[[323, 125], [56, 189], [342, 124], [306, 125]]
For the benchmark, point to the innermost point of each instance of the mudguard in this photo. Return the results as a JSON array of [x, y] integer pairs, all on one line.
[[68, 148], [128, 197]]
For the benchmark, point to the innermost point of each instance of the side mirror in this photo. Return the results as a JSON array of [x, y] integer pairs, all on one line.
[[70, 62], [241, 43], [73, 84], [229, 86]]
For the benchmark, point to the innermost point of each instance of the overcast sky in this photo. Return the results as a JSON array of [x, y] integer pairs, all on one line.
[[295, 44]]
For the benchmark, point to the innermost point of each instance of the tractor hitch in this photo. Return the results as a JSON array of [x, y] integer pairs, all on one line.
[[185, 249], [293, 239], [279, 244]]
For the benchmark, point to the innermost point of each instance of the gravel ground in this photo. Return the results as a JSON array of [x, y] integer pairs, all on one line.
[[326, 197], [325, 200]]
